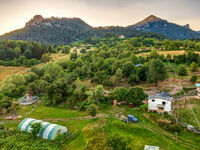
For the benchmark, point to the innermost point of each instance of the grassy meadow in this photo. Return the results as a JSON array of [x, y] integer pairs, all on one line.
[[6, 71], [142, 133]]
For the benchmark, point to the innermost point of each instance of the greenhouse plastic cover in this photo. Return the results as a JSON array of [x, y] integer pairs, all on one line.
[[48, 131]]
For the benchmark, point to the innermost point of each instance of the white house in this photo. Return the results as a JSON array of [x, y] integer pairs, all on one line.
[[197, 89], [160, 102]]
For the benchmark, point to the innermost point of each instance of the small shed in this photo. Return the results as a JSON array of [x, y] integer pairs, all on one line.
[[149, 147], [28, 99], [138, 65], [48, 131], [121, 37]]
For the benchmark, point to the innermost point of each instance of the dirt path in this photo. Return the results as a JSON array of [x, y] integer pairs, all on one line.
[[77, 118], [171, 136], [59, 119]]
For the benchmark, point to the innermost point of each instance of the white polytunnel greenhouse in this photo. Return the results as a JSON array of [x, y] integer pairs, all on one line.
[[48, 131]]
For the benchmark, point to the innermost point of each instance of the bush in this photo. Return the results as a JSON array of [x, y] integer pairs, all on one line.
[[92, 110], [46, 57], [36, 128], [144, 106], [84, 105], [118, 142]]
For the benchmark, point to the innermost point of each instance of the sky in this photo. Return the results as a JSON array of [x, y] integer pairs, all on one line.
[[15, 13]]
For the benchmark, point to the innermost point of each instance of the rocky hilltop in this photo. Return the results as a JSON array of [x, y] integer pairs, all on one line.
[[67, 30], [161, 26]]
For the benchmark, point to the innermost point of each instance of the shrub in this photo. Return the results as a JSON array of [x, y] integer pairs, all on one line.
[[92, 110], [36, 128], [46, 57], [144, 106], [84, 105], [118, 142], [193, 67]]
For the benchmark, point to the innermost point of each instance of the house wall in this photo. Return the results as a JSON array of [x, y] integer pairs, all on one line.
[[153, 105], [198, 91]]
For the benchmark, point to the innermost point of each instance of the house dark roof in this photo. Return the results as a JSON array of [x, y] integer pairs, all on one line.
[[162, 95]]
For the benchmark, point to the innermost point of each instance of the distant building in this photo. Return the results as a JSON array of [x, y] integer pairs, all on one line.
[[28, 99], [197, 89], [121, 37], [160, 102]]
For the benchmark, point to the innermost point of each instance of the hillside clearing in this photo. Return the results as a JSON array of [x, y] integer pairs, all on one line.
[[165, 53], [6, 71]]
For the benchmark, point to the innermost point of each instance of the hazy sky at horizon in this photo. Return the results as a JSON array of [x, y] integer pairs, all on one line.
[[15, 13]]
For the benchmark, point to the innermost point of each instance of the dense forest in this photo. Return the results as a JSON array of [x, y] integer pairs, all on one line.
[[19, 53], [114, 63], [115, 69], [27, 53], [68, 30]]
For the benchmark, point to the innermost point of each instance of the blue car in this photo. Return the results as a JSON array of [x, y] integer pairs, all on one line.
[[132, 118]]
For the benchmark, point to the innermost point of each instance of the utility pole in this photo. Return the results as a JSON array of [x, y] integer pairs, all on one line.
[[176, 137], [185, 101]]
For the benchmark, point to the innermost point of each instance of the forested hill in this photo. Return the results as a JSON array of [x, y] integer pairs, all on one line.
[[68, 30], [51, 30], [160, 26]]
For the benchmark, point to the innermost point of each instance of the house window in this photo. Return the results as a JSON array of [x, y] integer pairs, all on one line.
[[163, 103], [153, 100]]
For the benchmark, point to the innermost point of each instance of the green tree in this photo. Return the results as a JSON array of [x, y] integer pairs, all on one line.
[[74, 55], [83, 51], [118, 76], [120, 93], [92, 110], [128, 68], [99, 94], [157, 71], [154, 54], [28, 53], [46, 57], [136, 96], [35, 129], [30, 77], [66, 49], [194, 67], [193, 78], [134, 59], [133, 79], [182, 71]]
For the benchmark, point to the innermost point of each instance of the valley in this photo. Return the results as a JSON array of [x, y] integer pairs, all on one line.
[[68, 84]]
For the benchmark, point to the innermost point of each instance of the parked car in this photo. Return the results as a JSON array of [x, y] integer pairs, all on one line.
[[132, 118], [129, 118]]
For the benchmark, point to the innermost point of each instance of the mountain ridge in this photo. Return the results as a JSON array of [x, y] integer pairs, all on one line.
[[66, 30], [161, 26]]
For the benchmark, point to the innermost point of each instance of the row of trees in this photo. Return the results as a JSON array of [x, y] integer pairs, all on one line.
[[10, 49], [138, 43]]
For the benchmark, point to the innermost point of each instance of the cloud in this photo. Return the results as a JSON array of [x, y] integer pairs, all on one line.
[[14, 13]]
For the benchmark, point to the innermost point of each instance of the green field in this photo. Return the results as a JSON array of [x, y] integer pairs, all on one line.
[[6, 71], [142, 133]]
